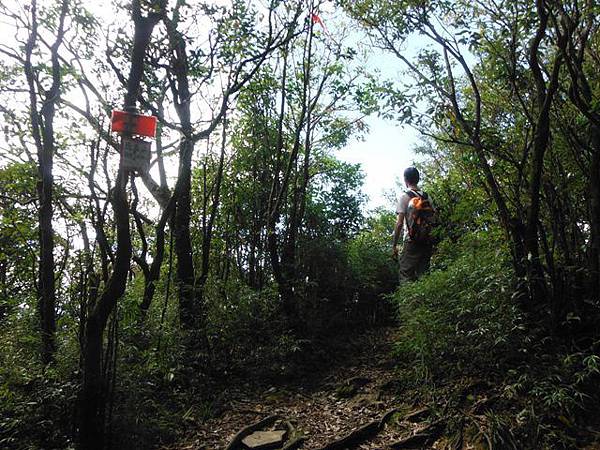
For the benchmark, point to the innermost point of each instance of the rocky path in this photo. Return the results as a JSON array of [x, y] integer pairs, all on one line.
[[356, 405]]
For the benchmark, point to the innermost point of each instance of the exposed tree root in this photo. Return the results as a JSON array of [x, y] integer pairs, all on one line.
[[237, 439], [361, 434], [355, 437], [295, 438], [418, 415], [421, 439], [387, 416], [415, 441], [295, 442]]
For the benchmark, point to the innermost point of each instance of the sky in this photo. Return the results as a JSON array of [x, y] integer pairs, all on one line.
[[388, 147], [383, 155]]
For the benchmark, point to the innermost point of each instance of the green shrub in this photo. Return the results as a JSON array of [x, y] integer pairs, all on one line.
[[459, 321], [460, 314], [372, 268]]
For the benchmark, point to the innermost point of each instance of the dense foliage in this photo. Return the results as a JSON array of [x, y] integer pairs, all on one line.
[[124, 293], [245, 246]]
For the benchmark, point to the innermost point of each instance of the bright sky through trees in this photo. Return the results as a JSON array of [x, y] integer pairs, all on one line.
[[383, 155], [385, 150]]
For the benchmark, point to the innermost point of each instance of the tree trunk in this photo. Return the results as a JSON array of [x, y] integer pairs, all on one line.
[[545, 95], [153, 275], [186, 282], [47, 283], [93, 392], [92, 397], [594, 186], [92, 406], [183, 243], [42, 126]]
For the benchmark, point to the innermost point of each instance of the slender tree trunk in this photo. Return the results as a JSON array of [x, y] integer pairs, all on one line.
[[47, 282], [284, 267], [208, 228], [273, 211], [92, 411], [188, 309], [545, 95], [93, 392], [511, 225], [93, 396], [42, 125], [594, 187], [574, 31], [289, 250], [159, 256]]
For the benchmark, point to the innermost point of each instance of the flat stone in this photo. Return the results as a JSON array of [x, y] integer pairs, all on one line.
[[260, 440]]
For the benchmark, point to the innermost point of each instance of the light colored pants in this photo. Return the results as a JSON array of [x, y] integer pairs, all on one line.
[[414, 260]]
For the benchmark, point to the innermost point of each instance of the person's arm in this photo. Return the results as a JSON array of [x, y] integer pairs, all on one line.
[[397, 233], [399, 228]]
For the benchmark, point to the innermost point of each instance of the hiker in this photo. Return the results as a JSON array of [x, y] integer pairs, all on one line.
[[416, 209]]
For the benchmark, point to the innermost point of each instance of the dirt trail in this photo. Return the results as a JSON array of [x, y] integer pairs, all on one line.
[[323, 408]]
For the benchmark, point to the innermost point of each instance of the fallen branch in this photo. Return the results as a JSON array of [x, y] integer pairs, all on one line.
[[237, 439]]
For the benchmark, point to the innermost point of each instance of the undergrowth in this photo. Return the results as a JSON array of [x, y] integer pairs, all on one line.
[[461, 330]]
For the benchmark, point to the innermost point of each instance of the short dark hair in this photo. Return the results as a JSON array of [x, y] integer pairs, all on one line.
[[411, 175]]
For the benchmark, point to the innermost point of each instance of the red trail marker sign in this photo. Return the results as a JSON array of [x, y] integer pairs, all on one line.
[[131, 123]]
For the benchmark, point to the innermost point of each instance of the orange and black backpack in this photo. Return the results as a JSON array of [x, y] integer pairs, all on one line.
[[420, 217]]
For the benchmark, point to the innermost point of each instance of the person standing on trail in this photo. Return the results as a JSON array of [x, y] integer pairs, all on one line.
[[414, 208]]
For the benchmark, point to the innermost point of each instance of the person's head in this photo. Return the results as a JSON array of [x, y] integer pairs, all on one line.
[[411, 176]]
